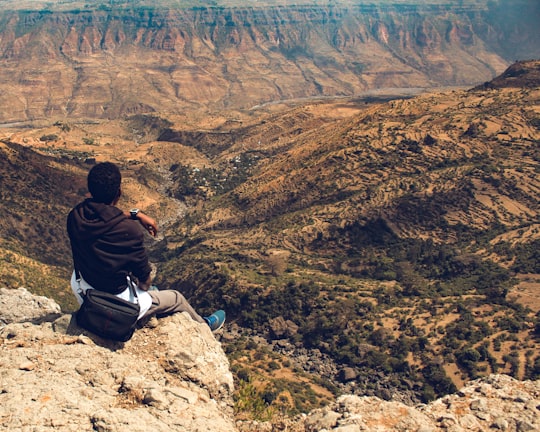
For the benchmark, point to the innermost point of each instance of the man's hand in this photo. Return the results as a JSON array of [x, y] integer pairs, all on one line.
[[148, 223], [145, 285]]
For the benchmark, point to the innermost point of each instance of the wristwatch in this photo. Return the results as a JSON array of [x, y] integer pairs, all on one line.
[[133, 213]]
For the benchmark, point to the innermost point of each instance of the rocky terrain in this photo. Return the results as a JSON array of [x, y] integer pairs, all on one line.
[[173, 376], [497, 402], [107, 60]]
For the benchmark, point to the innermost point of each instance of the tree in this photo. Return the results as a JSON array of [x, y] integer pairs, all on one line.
[[467, 359]]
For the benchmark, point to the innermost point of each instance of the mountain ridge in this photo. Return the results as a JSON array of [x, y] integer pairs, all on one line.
[[115, 63], [393, 237]]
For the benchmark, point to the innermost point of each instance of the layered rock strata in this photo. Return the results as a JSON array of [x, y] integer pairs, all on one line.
[[110, 62]]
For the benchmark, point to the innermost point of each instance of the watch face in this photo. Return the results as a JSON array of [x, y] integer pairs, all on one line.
[[133, 213]]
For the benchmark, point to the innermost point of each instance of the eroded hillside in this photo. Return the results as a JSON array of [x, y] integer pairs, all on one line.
[[391, 242], [382, 248]]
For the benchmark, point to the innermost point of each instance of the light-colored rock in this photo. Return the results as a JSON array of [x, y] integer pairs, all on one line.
[[523, 426], [19, 305], [492, 403], [478, 405], [322, 419], [174, 377], [500, 423], [27, 365], [425, 428], [155, 397], [349, 428], [195, 355]]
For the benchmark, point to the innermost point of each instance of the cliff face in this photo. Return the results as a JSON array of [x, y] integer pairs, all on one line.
[[175, 376], [109, 63]]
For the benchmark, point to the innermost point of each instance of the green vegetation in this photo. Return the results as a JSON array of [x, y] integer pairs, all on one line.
[[268, 386], [17, 270], [50, 137], [337, 313], [67, 153], [36, 196], [190, 182]]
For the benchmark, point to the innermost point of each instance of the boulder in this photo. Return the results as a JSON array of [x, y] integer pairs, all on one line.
[[19, 305]]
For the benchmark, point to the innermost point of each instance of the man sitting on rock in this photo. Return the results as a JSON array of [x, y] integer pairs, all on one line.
[[107, 246]]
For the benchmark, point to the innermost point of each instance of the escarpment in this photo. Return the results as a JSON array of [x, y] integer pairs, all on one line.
[[107, 62]]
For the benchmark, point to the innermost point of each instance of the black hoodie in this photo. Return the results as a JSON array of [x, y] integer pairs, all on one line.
[[106, 246]]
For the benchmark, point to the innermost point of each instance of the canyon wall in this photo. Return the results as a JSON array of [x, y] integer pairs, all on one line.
[[107, 62]]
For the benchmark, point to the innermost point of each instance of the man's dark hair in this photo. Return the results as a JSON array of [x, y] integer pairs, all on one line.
[[104, 182]]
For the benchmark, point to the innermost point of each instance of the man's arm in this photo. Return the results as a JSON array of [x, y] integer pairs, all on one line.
[[146, 221]]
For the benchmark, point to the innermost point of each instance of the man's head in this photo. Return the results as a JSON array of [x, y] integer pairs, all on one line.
[[104, 182]]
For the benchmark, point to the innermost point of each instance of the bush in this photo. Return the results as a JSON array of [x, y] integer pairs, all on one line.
[[50, 137], [534, 372], [467, 359], [273, 365], [428, 393], [437, 380]]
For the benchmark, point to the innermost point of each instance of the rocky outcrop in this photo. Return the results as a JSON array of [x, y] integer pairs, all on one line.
[[110, 62], [170, 376], [497, 402], [22, 306], [173, 376], [524, 74]]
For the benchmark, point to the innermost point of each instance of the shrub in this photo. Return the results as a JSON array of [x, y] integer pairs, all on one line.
[[273, 365], [50, 137], [534, 372], [437, 380], [467, 359]]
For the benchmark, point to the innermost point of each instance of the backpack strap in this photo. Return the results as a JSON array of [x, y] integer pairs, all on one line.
[[131, 286], [78, 278]]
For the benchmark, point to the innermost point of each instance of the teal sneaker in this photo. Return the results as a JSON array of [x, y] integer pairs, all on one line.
[[216, 320]]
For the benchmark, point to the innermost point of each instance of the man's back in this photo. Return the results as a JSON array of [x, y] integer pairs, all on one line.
[[106, 246]]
